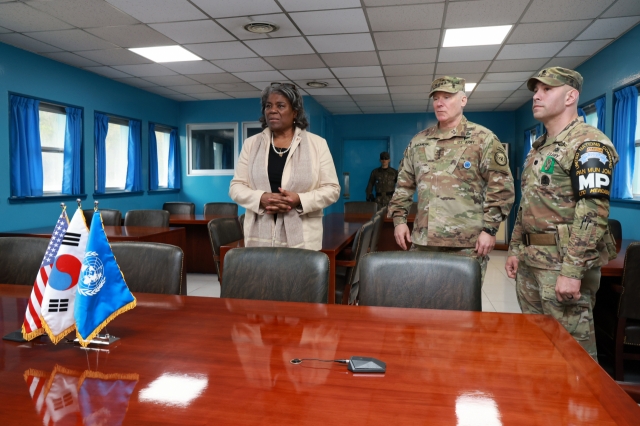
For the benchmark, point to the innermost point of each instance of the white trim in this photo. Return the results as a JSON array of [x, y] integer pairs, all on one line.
[[207, 126]]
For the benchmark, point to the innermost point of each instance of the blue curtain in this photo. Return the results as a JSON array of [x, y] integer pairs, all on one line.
[[601, 109], [582, 114], [624, 132], [175, 172], [26, 151], [72, 148], [153, 158], [134, 168], [101, 126], [527, 144]]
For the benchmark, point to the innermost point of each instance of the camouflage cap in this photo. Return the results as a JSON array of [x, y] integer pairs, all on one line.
[[557, 76], [385, 156], [447, 84]]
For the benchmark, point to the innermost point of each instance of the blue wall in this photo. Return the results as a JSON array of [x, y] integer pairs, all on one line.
[[609, 70], [32, 75]]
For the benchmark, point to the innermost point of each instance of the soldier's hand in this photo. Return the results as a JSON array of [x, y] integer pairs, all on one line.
[[567, 289], [485, 244], [402, 235], [511, 266]]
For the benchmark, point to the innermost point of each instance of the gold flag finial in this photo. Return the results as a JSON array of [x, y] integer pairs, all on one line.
[[95, 206], [63, 206], [79, 203]]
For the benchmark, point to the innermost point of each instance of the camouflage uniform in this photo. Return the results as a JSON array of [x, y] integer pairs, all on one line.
[[384, 181], [464, 183], [574, 227]]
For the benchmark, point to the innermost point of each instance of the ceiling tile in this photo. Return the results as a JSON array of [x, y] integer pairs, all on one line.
[[352, 72], [308, 74], [295, 61], [225, 50], [367, 90], [298, 5], [382, 110], [211, 96], [568, 62], [608, 28], [340, 21], [350, 59], [245, 64], [171, 80], [27, 43], [360, 98], [132, 36], [402, 18], [481, 13], [20, 17], [413, 69], [491, 87], [410, 80], [470, 78], [114, 57], [163, 91], [72, 40], [473, 53], [414, 56], [542, 32], [227, 8], [192, 88], [107, 72], [508, 76], [333, 98], [248, 94], [327, 91], [193, 31], [236, 26], [386, 103], [342, 43], [584, 47], [349, 104], [4, 30], [409, 96], [363, 82], [192, 67], [528, 51], [372, 3], [419, 88], [232, 87], [159, 10], [215, 78], [542, 10], [181, 98], [410, 102], [145, 70], [453, 68], [253, 76], [136, 82], [491, 94], [280, 46], [331, 82], [623, 8], [512, 65], [260, 85], [474, 101], [397, 40], [71, 59], [85, 13]]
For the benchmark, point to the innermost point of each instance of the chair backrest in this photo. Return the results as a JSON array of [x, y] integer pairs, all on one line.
[[223, 230], [178, 207], [227, 209], [241, 221], [282, 274], [360, 207], [361, 243], [151, 267], [110, 217], [20, 259], [616, 229], [420, 280], [155, 218], [630, 299], [377, 227]]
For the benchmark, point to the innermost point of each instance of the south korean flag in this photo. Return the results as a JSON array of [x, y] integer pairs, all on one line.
[[60, 292]]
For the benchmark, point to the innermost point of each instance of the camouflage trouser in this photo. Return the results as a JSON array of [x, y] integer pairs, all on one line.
[[536, 290], [382, 200], [467, 252]]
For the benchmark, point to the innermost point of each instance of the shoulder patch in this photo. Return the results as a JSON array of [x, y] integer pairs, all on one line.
[[497, 157], [500, 158], [592, 171]]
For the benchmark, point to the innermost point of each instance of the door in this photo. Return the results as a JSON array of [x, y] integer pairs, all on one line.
[[359, 158]]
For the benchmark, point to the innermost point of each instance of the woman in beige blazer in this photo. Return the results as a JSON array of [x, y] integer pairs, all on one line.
[[285, 176]]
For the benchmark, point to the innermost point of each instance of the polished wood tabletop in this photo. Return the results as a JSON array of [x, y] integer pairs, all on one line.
[[194, 219], [615, 267], [192, 360], [114, 233]]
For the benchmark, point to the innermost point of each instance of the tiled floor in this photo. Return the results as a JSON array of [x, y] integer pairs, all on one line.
[[498, 292]]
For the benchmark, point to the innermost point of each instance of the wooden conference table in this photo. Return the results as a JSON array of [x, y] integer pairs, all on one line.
[[175, 368], [338, 232]]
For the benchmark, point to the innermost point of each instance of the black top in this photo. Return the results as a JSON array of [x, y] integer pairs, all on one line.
[[275, 168]]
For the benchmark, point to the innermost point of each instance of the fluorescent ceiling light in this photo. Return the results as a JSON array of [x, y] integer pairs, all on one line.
[[468, 87], [480, 36], [166, 54]]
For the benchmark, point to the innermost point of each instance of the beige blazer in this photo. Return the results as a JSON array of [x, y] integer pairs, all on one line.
[[325, 189]]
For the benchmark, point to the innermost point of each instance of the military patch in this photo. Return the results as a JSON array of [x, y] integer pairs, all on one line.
[[548, 165], [467, 164], [545, 180], [500, 158], [592, 171]]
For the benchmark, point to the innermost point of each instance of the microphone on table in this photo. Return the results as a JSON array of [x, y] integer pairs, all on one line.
[[356, 364]]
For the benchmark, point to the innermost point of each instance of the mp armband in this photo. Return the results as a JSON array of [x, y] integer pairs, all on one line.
[[591, 171]]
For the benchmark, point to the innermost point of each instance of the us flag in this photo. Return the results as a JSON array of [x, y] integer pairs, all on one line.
[[32, 326]]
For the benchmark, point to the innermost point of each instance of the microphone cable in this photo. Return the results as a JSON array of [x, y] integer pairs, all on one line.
[[299, 360]]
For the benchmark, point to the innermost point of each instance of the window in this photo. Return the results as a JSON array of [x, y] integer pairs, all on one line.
[[117, 150], [636, 168], [163, 136], [249, 129], [53, 122], [592, 114], [212, 148]]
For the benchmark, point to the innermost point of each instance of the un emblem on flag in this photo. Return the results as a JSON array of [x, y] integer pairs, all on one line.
[[91, 275]]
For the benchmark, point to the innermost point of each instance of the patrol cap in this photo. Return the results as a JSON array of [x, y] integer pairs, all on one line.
[[385, 156], [447, 84], [557, 76]]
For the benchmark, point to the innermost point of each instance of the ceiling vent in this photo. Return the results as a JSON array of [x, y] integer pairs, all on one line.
[[261, 27]]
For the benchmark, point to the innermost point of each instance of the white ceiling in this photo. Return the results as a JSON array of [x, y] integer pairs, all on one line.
[[378, 56]]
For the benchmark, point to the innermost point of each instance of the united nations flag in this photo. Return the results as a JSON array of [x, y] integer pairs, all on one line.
[[102, 292]]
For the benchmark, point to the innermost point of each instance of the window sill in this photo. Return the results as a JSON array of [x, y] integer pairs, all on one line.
[[635, 200], [47, 198], [164, 191], [117, 194]]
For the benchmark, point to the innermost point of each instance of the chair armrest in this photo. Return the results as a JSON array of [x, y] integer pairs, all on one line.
[[616, 288], [346, 263]]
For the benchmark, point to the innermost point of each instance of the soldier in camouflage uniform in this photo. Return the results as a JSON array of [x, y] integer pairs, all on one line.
[[461, 172], [384, 179], [559, 243]]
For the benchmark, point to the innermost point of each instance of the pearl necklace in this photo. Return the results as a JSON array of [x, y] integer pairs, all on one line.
[[281, 153]]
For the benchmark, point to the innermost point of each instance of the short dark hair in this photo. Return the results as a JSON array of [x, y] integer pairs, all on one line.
[[295, 99]]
